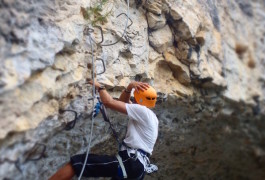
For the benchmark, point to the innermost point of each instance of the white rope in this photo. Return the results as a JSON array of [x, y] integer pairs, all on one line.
[[93, 104]]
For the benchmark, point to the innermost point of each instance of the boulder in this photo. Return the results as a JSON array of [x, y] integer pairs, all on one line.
[[161, 39], [155, 21], [180, 71], [154, 6], [185, 22]]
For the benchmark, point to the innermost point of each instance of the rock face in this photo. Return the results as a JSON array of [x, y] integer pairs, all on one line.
[[204, 58], [161, 39]]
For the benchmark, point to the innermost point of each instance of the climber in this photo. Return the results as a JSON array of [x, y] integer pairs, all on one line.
[[132, 160]]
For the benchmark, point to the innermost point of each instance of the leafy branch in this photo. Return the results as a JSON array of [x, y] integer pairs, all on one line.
[[94, 13]]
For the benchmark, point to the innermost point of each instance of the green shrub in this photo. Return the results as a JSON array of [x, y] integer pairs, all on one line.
[[94, 13]]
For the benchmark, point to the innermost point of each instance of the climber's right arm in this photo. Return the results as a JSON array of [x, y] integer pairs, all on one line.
[[107, 100]]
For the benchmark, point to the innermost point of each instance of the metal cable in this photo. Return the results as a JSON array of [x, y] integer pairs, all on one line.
[[70, 125], [127, 17], [93, 104], [30, 155], [126, 25]]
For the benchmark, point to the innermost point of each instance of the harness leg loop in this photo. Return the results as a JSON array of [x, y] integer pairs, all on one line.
[[122, 166]]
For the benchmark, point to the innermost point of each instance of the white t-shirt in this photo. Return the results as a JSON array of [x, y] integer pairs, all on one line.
[[142, 128]]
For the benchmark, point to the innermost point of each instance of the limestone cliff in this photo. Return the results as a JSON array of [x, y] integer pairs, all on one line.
[[204, 57]]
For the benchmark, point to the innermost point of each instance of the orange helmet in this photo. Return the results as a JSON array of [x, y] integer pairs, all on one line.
[[146, 98]]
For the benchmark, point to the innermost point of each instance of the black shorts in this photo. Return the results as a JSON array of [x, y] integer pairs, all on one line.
[[107, 166]]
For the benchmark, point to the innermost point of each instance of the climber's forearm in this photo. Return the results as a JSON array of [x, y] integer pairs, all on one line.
[[111, 103], [105, 97], [108, 101]]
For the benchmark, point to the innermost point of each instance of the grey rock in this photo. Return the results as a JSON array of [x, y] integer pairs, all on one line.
[[154, 6], [161, 39], [155, 21]]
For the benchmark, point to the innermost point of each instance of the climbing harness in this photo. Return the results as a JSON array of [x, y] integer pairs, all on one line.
[[142, 156], [121, 166]]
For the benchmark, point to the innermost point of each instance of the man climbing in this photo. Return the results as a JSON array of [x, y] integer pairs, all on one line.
[[132, 160]]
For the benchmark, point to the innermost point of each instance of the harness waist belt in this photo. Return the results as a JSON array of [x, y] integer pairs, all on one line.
[[139, 150], [143, 152]]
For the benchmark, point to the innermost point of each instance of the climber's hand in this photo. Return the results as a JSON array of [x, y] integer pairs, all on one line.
[[97, 85], [138, 86]]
